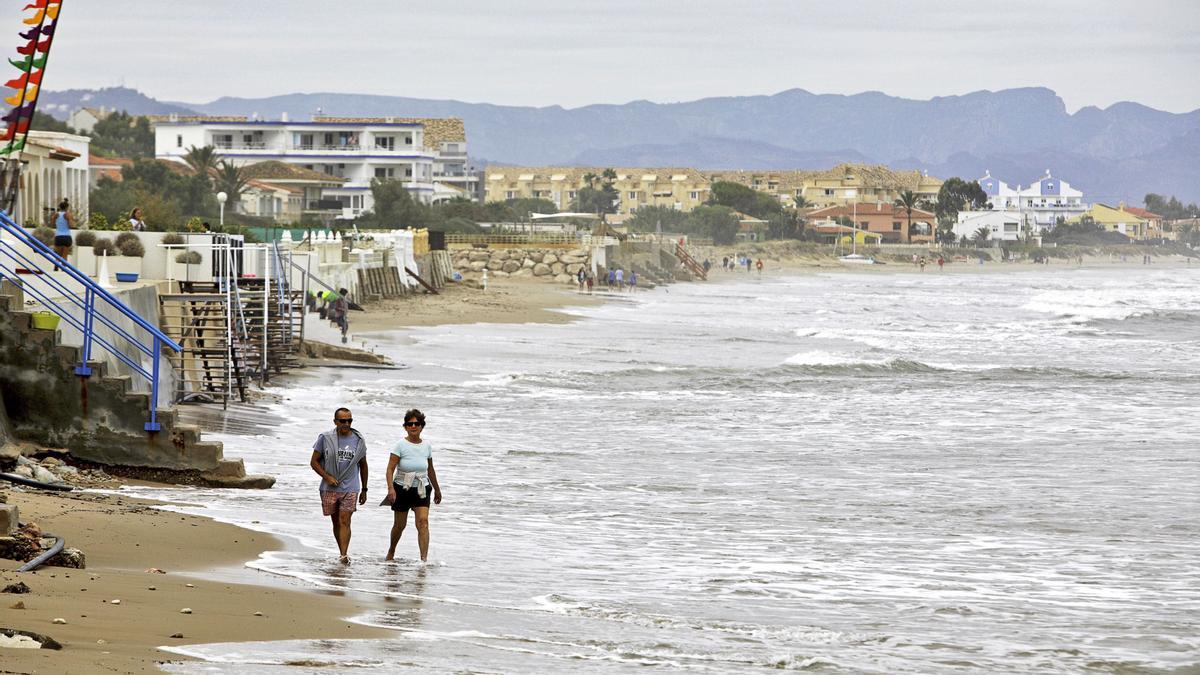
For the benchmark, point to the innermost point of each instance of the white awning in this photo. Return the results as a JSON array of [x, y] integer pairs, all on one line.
[[565, 214], [525, 176], [650, 178], [559, 176]]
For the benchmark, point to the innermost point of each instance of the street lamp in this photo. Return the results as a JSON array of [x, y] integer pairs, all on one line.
[[221, 197]]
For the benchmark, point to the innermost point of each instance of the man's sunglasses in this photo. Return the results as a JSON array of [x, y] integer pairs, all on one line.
[[414, 424], [346, 420]]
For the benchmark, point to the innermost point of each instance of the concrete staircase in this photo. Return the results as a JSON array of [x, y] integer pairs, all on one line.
[[99, 418]]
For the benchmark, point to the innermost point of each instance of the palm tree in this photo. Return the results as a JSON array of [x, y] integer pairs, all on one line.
[[981, 235], [609, 176], [231, 180], [590, 179], [202, 160], [907, 201], [800, 202]]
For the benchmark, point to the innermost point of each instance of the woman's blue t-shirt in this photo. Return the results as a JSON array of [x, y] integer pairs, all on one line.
[[62, 228], [414, 457]]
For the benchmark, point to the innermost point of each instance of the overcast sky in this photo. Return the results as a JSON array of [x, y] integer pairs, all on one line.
[[542, 52]]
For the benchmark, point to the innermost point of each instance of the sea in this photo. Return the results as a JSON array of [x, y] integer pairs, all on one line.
[[864, 471]]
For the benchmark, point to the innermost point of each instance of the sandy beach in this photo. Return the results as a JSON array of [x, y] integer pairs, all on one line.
[[122, 539]]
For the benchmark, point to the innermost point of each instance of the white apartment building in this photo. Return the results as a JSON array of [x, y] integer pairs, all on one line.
[[55, 167], [1044, 201], [356, 151], [1001, 225]]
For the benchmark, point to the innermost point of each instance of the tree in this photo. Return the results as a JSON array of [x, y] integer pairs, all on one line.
[[907, 201], [648, 218], [231, 180], [123, 135], [801, 202], [716, 222], [166, 195], [785, 225], [43, 122], [202, 160], [742, 198], [955, 195], [981, 235], [394, 207]]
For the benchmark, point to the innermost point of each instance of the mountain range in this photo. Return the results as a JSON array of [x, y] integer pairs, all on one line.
[[1118, 153]]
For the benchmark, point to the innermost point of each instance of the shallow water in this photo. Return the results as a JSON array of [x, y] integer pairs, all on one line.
[[851, 472]]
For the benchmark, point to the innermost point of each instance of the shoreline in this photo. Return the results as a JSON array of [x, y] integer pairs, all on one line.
[[135, 537]]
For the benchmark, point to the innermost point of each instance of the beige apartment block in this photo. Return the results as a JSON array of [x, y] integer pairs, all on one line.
[[676, 188], [843, 184]]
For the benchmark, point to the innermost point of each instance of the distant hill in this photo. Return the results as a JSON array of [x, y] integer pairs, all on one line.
[[1120, 152], [61, 104]]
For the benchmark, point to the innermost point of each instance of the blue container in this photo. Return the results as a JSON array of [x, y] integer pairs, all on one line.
[[127, 276]]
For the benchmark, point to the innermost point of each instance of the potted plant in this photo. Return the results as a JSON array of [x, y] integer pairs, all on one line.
[[85, 257], [130, 261]]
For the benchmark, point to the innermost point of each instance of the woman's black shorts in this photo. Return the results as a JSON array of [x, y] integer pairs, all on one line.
[[408, 499], [62, 240]]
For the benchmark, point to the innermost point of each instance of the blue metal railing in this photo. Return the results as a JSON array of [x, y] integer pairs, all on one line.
[[62, 300]]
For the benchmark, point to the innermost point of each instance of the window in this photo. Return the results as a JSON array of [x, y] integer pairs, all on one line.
[[694, 194], [356, 201], [179, 141], [510, 194], [382, 172], [828, 192], [571, 194], [633, 194], [897, 226], [1010, 227], [864, 225], [385, 142], [408, 172]]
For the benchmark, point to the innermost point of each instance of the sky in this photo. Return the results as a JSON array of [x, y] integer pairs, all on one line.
[[540, 52]]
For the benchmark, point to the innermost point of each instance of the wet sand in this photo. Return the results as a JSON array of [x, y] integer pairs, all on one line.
[[122, 538]]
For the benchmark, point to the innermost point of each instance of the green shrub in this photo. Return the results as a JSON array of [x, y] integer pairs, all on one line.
[[194, 224], [123, 225], [173, 239], [189, 257], [97, 221], [44, 235], [103, 246], [129, 245], [85, 238]]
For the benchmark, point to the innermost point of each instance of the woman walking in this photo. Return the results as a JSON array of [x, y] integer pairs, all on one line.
[[136, 220], [409, 490]]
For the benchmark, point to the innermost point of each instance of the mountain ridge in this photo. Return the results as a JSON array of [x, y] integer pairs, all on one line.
[[1104, 151]]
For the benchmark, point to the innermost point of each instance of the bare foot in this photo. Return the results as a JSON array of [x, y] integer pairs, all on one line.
[[345, 560]]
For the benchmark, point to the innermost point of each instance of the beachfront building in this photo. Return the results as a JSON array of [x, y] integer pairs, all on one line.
[[55, 167], [1117, 219], [356, 150], [284, 192], [888, 221], [1001, 225], [1155, 228], [679, 189], [843, 184], [1048, 200]]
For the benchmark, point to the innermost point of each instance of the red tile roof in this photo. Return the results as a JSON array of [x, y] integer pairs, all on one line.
[[867, 209], [1142, 213]]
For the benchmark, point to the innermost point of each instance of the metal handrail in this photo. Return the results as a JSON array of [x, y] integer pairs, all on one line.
[[86, 324]]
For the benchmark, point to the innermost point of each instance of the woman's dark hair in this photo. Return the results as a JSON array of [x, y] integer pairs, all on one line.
[[134, 212], [414, 413], [64, 205]]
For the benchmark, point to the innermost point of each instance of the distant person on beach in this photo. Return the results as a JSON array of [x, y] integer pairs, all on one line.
[[339, 311], [610, 279], [581, 277], [941, 262], [620, 278], [725, 263], [632, 280], [707, 265], [63, 222], [758, 265], [591, 279], [922, 263], [410, 489], [136, 220], [340, 458]]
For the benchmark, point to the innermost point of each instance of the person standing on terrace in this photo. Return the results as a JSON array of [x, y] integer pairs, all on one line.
[[63, 222]]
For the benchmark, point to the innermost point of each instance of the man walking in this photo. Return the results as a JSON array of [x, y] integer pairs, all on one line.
[[340, 459], [339, 311]]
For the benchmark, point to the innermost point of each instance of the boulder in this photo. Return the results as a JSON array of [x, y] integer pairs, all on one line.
[[577, 253], [549, 258], [573, 259], [9, 517], [495, 265], [500, 255], [523, 272], [565, 279], [537, 256], [511, 266], [477, 265], [69, 557], [541, 270], [573, 268], [476, 256], [500, 273], [557, 268], [528, 264]]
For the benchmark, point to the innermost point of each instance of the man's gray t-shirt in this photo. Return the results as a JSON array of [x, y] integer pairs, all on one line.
[[347, 448]]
